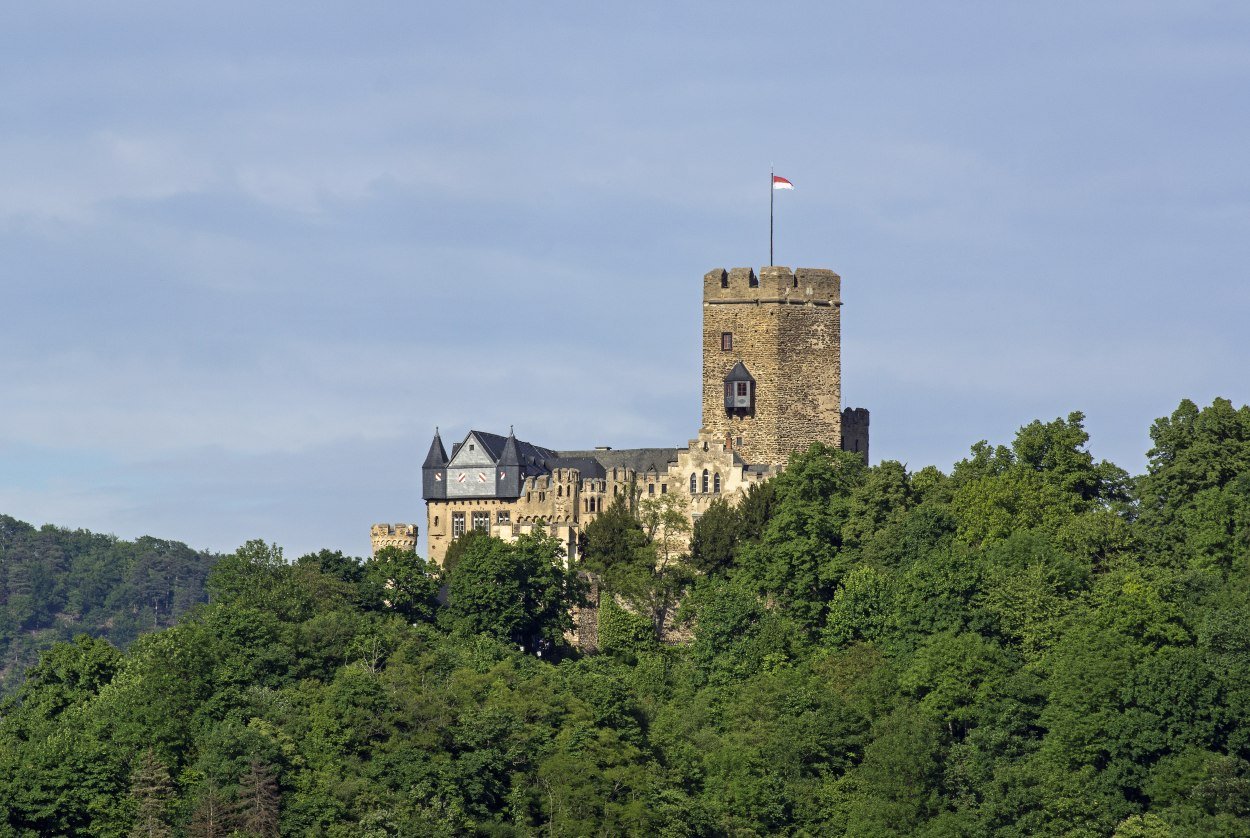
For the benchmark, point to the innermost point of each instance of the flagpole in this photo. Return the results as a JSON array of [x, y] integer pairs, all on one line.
[[771, 190]]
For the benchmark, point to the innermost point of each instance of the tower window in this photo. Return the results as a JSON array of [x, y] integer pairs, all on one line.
[[650, 488], [663, 488], [726, 341], [724, 280], [481, 521], [716, 483], [503, 516], [705, 481], [694, 483], [457, 524]]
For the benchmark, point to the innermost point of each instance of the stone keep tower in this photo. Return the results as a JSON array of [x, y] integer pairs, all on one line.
[[772, 360]]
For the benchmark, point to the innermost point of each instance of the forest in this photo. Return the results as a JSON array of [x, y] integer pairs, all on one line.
[[56, 584], [1034, 644]]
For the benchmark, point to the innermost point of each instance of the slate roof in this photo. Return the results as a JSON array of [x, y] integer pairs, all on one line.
[[639, 459], [739, 373], [534, 459], [437, 458]]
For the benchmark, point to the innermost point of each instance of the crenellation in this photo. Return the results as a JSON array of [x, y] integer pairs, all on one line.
[[403, 536]]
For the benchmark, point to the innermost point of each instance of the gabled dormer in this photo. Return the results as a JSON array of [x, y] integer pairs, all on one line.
[[471, 471], [434, 471], [739, 391]]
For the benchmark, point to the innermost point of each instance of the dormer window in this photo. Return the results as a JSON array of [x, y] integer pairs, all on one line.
[[739, 391]]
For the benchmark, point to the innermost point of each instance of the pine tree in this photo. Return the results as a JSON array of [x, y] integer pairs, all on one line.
[[210, 815], [151, 787], [256, 813]]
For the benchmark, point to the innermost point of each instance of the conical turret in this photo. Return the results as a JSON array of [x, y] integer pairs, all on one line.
[[437, 458], [434, 470], [511, 455], [510, 472]]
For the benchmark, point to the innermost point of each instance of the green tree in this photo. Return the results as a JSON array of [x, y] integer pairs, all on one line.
[[404, 582], [613, 539], [519, 593], [799, 559], [153, 792], [715, 537]]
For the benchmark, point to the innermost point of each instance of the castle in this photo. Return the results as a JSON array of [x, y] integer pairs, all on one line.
[[772, 385]]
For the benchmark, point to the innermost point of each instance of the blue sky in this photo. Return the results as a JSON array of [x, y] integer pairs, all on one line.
[[240, 240]]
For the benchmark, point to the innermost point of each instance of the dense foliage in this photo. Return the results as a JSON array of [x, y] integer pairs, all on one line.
[[56, 584], [1034, 644]]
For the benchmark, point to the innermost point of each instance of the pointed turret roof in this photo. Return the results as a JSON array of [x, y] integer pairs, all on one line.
[[437, 458], [511, 456]]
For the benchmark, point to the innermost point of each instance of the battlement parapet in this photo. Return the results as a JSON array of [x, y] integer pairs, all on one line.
[[403, 536], [855, 416], [818, 286]]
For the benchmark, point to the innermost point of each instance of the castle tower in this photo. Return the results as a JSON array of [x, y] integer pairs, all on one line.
[[403, 536], [772, 360]]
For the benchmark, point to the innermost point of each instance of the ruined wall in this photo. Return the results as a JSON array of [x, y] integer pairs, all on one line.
[[855, 430]]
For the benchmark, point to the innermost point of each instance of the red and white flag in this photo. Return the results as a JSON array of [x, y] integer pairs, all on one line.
[[781, 183]]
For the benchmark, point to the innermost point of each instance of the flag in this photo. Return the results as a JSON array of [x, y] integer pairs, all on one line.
[[781, 183]]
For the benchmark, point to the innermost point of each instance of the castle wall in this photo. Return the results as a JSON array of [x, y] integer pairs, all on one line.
[[403, 536], [855, 430], [562, 502]]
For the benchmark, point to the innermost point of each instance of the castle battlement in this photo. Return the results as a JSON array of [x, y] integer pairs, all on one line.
[[403, 536], [772, 284]]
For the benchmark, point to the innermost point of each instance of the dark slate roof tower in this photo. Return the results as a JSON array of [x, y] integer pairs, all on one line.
[[434, 471], [510, 471]]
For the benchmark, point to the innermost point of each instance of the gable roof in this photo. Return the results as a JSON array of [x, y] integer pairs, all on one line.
[[532, 458]]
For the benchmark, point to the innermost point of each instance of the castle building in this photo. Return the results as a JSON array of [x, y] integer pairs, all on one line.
[[772, 385]]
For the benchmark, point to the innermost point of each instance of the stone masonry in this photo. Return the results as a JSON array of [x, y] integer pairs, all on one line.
[[785, 328], [403, 536]]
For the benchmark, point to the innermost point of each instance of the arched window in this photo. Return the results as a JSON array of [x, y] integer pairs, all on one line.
[[705, 481], [694, 483], [716, 483]]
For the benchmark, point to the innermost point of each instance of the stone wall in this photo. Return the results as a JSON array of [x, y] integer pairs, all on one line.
[[403, 536], [855, 430], [786, 329]]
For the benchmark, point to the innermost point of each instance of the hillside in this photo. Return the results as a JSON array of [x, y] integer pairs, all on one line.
[[1035, 644], [57, 583]]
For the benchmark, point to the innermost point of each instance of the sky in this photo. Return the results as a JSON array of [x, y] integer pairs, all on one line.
[[252, 254]]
